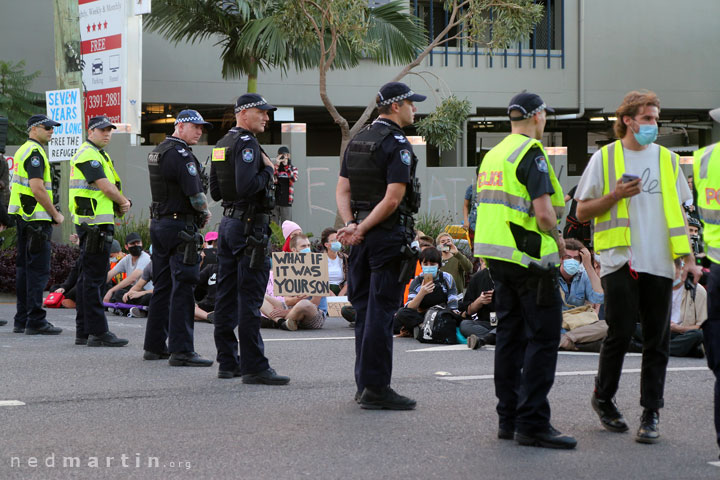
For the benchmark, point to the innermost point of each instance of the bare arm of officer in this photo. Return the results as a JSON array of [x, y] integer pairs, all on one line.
[[544, 213], [342, 197], [112, 192], [199, 202], [589, 209], [390, 202], [37, 185]]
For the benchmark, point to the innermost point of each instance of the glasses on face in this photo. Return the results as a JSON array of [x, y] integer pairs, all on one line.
[[48, 128]]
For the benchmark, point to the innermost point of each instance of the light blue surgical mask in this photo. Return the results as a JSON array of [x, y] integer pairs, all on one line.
[[305, 250], [676, 282], [571, 266], [335, 246], [646, 134], [430, 269]]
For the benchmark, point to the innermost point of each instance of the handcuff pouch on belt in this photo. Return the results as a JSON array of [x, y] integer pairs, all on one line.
[[191, 242], [36, 238], [95, 238]]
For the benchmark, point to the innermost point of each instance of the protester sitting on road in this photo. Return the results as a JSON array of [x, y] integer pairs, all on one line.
[[116, 254], [67, 288], [454, 262], [579, 285], [209, 251], [138, 295], [302, 311], [337, 262], [289, 230], [476, 308], [431, 288], [132, 265], [687, 314], [206, 290]]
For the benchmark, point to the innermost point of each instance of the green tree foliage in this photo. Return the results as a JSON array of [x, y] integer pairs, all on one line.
[[443, 126], [17, 102]]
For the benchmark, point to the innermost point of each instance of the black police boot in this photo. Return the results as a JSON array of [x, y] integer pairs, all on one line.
[[107, 339], [148, 355], [3, 322], [385, 398], [549, 438], [81, 339], [18, 329], [610, 416], [506, 433], [47, 329], [229, 373], [188, 359], [266, 377], [648, 431]]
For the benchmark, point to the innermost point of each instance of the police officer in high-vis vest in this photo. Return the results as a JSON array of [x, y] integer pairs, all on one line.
[[241, 175], [179, 209], [96, 198], [706, 175], [520, 202], [377, 195], [32, 202], [634, 189]]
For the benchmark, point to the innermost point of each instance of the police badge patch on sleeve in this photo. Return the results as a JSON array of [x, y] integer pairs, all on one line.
[[35, 162], [95, 164], [192, 169], [405, 157], [541, 164], [248, 155]]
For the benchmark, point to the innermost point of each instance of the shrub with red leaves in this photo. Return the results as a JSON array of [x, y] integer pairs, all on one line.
[[62, 259]]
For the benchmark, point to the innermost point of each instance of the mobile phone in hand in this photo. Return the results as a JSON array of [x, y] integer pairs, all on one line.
[[628, 177]]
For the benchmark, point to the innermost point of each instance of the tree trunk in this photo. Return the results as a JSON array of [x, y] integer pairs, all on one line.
[[252, 79]]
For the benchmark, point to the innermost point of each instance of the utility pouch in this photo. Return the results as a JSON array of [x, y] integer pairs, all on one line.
[[409, 257], [37, 239], [85, 207], [93, 240], [190, 246], [28, 203]]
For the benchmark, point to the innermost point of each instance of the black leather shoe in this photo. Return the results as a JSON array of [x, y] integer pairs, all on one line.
[[107, 339], [188, 359], [148, 355], [18, 329], [358, 396], [47, 329], [506, 433], [648, 431], [266, 377], [3, 323], [81, 340], [229, 373], [385, 398], [549, 438], [610, 416]]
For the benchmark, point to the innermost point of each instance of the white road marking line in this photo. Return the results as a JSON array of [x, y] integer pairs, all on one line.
[[574, 373], [304, 339], [491, 348], [11, 403], [715, 464]]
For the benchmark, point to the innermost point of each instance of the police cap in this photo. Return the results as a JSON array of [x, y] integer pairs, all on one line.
[[525, 105], [192, 116], [396, 91], [252, 100], [44, 120], [101, 121]]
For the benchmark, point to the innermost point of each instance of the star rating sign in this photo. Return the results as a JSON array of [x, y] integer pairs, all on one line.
[[93, 27], [88, 28], [97, 26], [105, 25]]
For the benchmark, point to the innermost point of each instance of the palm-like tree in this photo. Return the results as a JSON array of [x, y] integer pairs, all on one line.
[[253, 37], [17, 103]]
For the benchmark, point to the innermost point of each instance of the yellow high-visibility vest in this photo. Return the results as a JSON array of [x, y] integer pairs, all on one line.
[[706, 174], [88, 204], [20, 184]]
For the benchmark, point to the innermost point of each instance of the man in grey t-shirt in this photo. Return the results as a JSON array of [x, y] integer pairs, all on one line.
[[640, 227]]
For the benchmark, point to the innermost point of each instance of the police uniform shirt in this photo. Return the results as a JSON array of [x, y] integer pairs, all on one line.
[[251, 173], [35, 164], [533, 172], [179, 166], [93, 170], [396, 151]]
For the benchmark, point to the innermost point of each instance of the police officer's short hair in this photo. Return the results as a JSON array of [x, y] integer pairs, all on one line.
[[386, 109], [431, 255]]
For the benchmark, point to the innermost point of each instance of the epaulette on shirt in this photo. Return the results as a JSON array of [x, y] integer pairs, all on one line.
[[245, 137], [400, 138], [181, 150]]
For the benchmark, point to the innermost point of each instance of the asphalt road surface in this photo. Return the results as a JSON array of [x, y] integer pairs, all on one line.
[[80, 412]]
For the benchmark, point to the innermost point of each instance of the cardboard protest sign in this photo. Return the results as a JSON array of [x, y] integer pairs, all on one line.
[[335, 304], [300, 274]]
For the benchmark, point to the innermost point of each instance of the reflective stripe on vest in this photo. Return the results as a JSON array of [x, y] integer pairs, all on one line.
[[612, 229], [502, 200], [706, 170], [20, 184], [81, 191]]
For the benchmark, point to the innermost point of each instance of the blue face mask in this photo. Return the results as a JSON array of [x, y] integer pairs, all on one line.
[[305, 250], [335, 246], [571, 266], [676, 282], [430, 269], [646, 134]]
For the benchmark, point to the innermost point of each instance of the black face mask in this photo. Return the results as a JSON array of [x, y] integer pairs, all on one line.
[[135, 251]]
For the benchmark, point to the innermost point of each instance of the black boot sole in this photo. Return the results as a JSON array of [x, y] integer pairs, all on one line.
[[380, 406], [535, 442]]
